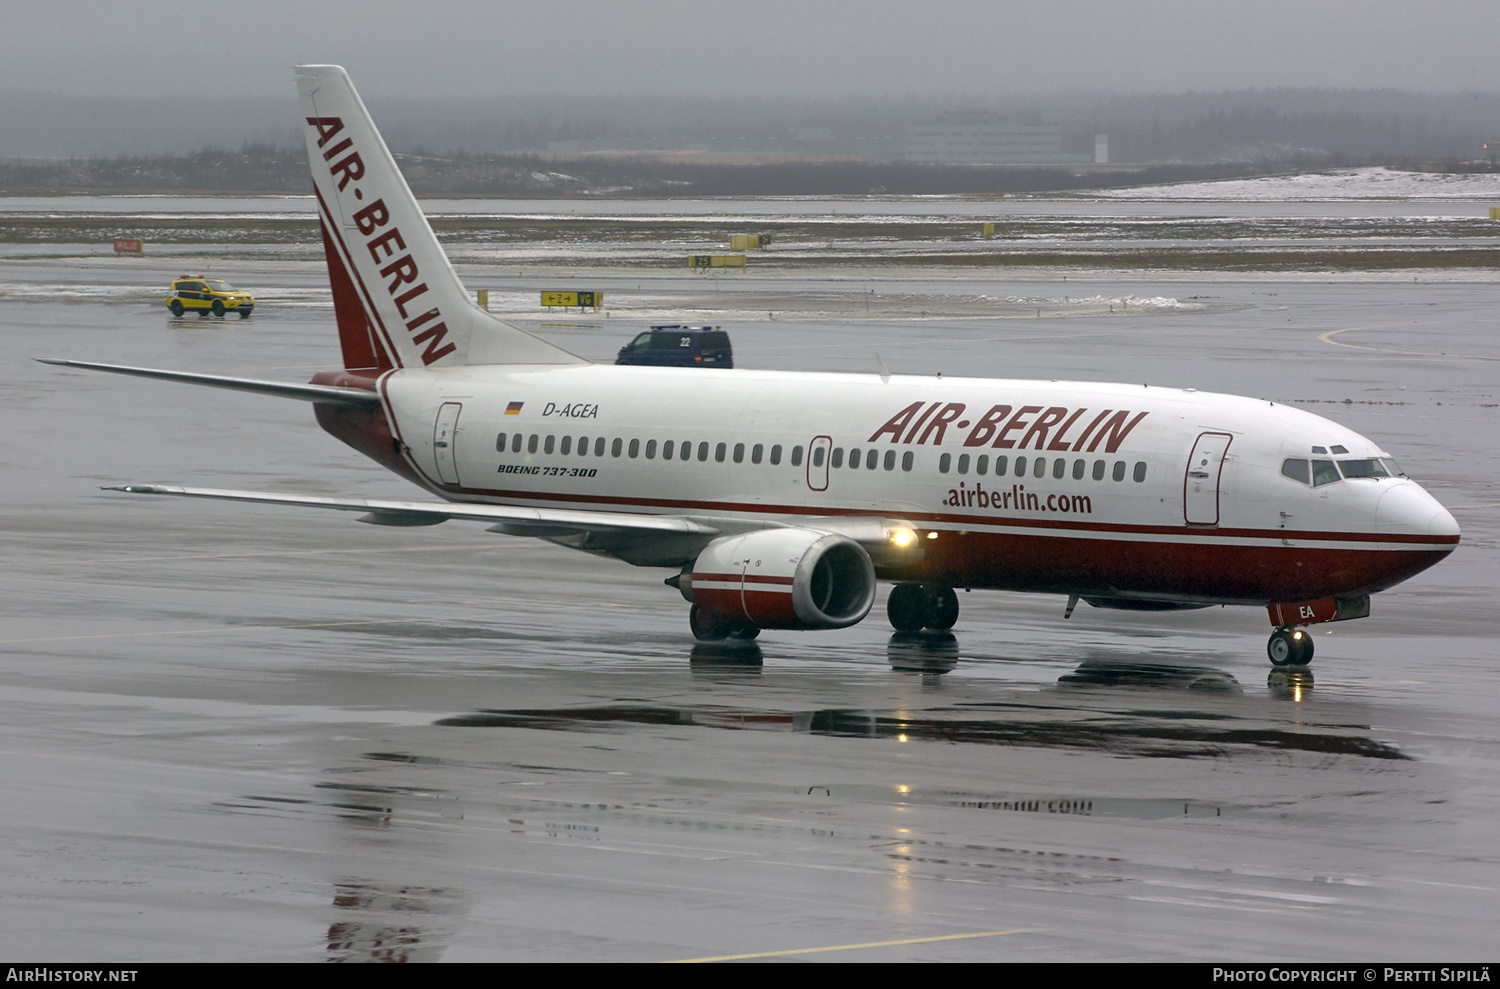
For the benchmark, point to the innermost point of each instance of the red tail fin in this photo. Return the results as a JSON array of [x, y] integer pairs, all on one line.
[[362, 349]]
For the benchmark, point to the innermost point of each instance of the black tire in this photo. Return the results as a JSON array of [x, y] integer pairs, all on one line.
[[942, 611], [218, 309], [176, 306], [907, 607], [245, 312], [1284, 649], [1307, 650], [745, 633], [706, 626]]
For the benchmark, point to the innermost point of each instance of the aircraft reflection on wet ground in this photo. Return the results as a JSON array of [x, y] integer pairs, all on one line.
[[1190, 735]]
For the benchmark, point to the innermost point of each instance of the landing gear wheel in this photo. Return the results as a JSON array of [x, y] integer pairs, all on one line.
[[1289, 647], [176, 308], [706, 626], [942, 608], [907, 607], [218, 309], [745, 633]]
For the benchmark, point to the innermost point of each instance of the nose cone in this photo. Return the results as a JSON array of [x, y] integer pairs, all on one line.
[[1407, 509]]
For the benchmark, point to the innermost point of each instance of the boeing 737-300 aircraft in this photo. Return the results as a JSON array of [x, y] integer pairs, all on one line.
[[781, 498]]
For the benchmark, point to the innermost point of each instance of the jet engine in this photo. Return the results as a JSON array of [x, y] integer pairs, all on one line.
[[781, 578]]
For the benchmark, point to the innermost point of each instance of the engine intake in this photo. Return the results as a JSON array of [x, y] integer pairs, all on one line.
[[784, 578]]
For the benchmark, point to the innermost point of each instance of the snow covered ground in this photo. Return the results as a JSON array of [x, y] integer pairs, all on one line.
[[1333, 184]]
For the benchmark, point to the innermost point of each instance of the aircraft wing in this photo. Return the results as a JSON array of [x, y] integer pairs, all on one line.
[[545, 522], [332, 394], [644, 540]]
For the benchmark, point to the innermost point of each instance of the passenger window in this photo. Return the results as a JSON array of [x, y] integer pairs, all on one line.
[[775, 454], [739, 453], [650, 449], [666, 449], [1296, 470], [854, 456], [1020, 466], [500, 442], [1324, 472], [1098, 470], [635, 449], [548, 444], [703, 451], [1001, 463], [531, 444], [982, 464], [567, 445], [870, 457], [617, 447], [755, 452], [796, 456], [720, 452], [817, 457], [1119, 472], [599, 447], [890, 460], [1059, 468], [583, 446], [963, 463], [944, 462], [1079, 466], [1140, 471], [687, 451], [1041, 467], [515, 443], [907, 459]]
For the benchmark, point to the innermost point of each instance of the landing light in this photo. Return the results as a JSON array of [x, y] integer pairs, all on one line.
[[902, 538]]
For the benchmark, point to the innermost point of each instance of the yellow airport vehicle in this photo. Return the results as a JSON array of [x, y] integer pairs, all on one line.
[[208, 295], [748, 242]]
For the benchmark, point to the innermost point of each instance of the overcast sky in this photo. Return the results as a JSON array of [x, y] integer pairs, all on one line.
[[442, 48]]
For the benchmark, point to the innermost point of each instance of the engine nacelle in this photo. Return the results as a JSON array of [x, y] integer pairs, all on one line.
[[785, 578]]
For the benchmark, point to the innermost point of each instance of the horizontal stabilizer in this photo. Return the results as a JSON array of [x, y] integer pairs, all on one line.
[[328, 394], [430, 513]]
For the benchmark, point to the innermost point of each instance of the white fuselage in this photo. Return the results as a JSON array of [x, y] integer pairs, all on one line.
[[1082, 487]]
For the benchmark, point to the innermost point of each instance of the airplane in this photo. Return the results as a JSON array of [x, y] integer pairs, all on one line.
[[778, 500]]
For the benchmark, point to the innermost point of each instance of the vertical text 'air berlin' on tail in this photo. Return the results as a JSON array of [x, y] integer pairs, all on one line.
[[398, 301]]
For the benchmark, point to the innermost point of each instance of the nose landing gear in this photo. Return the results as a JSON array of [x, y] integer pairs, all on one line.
[[1290, 647]]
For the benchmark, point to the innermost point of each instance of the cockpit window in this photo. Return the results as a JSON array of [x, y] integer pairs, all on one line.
[[1338, 449], [1296, 470], [1320, 449], [1363, 468], [1390, 465], [1324, 472]]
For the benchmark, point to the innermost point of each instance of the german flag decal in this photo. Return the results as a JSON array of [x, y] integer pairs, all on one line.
[[514, 408]]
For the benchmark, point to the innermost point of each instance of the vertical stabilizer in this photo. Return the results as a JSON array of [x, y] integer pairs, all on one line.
[[398, 301]]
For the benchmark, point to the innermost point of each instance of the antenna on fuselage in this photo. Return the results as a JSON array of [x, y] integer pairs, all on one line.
[[885, 372]]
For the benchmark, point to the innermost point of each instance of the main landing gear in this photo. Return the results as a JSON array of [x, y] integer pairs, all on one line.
[[913, 607], [1290, 647], [709, 627]]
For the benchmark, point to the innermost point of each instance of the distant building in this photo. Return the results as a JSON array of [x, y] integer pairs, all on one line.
[[982, 139]]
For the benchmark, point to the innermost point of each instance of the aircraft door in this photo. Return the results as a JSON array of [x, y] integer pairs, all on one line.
[[444, 441], [1200, 484], [817, 463]]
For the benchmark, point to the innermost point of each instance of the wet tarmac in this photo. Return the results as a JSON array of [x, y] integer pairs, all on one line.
[[233, 732]]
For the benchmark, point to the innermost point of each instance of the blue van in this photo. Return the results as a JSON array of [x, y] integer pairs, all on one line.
[[679, 346]]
